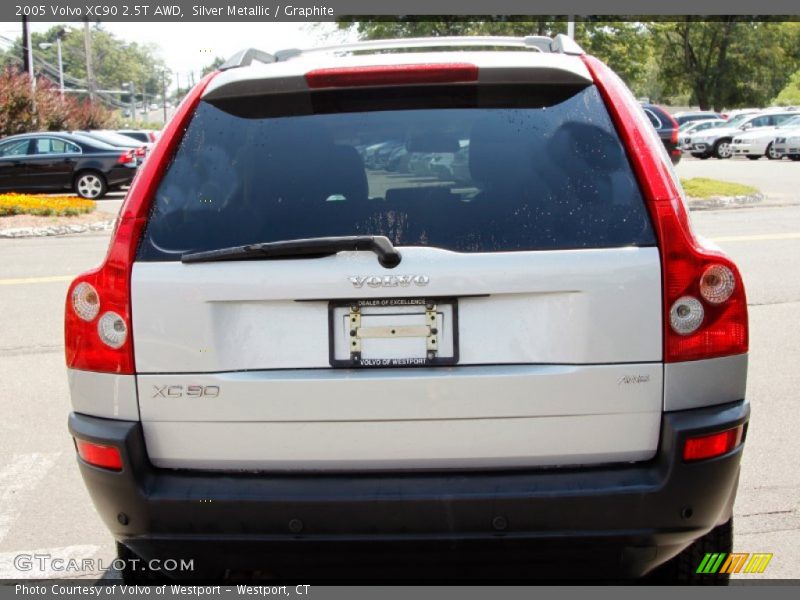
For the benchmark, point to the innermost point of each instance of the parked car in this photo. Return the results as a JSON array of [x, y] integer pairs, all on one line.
[[541, 366], [667, 128], [112, 138], [695, 115], [717, 141], [760, 142], [690, 128], [788, 144], [443, 164], [375, 155], [731, 114], [147, 136], [55, 162]]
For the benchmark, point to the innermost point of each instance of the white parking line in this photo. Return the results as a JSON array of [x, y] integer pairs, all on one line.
[[25, 280], [758, 238], [38, 564], [16, 478]]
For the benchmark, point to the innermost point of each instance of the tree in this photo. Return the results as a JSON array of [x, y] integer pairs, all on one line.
[[624, 45], [790, 95], [451, 25], [115, 61], [212, 66], [726, 63]]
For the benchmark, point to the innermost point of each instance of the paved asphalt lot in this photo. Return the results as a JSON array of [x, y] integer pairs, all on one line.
[[43, 504]]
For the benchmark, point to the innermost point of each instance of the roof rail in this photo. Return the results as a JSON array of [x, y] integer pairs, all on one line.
[[244, 58], [560, 44]]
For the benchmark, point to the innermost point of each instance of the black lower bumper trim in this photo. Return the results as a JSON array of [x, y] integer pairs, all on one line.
[[625, 519]]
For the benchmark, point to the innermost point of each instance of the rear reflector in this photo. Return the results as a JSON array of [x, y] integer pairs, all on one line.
[[97, 455], [710, 446], [392, 75]]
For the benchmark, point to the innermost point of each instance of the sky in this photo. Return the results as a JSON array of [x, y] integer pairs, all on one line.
[[189, 47]]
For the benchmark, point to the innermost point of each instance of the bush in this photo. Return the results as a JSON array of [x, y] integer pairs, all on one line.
[[29, 204], [23, 110]]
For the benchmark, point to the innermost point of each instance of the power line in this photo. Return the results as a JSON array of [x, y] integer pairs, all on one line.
[[51, 73]]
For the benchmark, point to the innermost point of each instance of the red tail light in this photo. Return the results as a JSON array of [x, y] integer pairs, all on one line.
[[97, 324], [392, 75], [713, 445], [721, 329], [97, 455], [141, 151], [126, 157]]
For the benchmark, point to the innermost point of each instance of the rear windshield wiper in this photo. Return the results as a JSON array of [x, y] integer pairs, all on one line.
[[388, 256]]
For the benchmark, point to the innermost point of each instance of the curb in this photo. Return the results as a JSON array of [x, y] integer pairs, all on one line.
[[27, 232], [717, 202]]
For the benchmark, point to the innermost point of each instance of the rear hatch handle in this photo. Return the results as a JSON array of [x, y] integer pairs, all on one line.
[[388, 256]]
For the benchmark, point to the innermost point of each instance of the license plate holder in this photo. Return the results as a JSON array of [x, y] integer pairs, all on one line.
[[393, 332]]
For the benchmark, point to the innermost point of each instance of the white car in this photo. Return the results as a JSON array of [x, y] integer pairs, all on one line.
[[717, 142], [787, 143], [291, 361], [760, 142], [690, 128]]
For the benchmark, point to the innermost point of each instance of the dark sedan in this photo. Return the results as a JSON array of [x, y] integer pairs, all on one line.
[[667, 128], [54, 162]]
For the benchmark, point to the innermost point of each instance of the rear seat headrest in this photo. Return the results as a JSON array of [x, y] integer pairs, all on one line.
[[344, 174]]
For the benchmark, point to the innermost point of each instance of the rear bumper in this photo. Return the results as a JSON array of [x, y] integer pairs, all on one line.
[[640, 515], [120, 175]]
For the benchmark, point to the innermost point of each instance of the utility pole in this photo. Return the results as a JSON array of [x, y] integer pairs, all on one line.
[[59, 37], [25, 63], [571, 27], [87, 45], [45, 46], [133, 102], [28, 53]]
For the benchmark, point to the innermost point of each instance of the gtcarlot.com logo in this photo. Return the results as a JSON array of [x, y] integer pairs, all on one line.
[[718, 563], [47, 563]]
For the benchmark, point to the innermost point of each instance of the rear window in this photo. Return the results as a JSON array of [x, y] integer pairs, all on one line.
[[467, 169]]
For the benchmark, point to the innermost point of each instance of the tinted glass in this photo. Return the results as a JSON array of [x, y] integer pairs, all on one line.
[[91, 144], [17, 148], [470, 171], [778, 119], [54, 146], [653, 119]]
